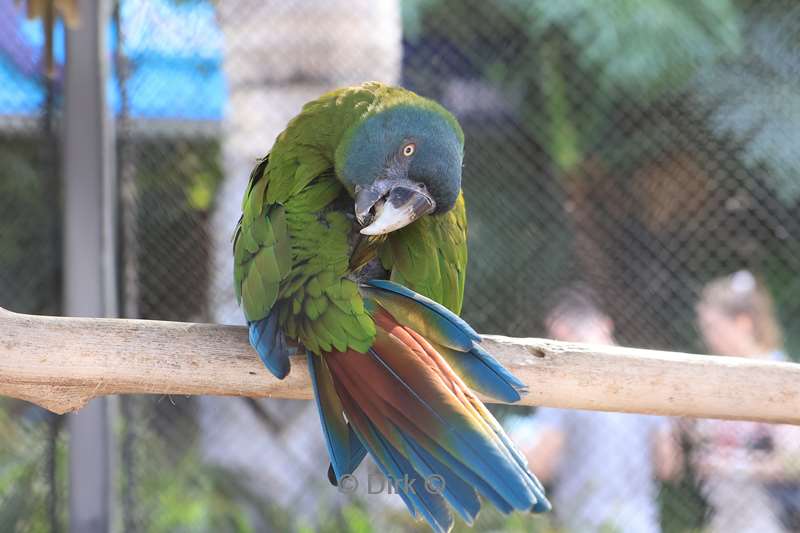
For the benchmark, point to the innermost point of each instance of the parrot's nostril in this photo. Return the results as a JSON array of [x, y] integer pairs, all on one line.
[[401, 195]]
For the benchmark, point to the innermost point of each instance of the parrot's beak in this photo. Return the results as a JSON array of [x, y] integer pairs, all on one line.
[[388, 205]]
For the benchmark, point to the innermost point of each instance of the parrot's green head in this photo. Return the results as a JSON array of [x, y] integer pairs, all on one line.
[[401, 163]]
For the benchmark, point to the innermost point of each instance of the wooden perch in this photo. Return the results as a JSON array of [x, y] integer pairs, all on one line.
[[61, 363]]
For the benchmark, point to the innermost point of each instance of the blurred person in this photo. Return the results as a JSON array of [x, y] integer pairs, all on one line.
[[602, 466], [748, 470]]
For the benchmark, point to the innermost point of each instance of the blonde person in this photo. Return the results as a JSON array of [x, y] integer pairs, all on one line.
[[602, 467], [747, 470]]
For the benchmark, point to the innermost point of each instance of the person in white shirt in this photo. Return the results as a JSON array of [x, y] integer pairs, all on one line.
[[602, 467]]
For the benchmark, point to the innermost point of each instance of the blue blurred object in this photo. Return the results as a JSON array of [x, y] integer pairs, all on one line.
[[174, 51]]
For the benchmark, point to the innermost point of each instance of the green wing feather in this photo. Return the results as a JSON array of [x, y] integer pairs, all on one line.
[[261, 249], [326, 309], [291, 249], [430, 256]]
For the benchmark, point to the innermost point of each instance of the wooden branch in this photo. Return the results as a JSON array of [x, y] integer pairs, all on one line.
[[61, 363]]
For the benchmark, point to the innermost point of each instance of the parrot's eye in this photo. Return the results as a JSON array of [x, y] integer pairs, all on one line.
[[409, 149]]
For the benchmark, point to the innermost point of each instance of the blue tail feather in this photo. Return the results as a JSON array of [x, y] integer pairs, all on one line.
[[397, 468], [417, 419], [451, 330], [344, 447], [484, 374], [459, 342], [270, 343], [461, 496], [502, 499], [357, 451], [430, 505], [483, 456], [499, 370]]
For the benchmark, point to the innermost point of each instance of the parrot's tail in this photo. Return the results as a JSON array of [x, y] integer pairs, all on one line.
[[428, 433]]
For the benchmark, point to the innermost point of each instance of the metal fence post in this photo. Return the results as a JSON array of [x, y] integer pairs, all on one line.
[[89, 248]]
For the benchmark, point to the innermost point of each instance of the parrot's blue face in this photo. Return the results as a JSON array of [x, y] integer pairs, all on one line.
[[402, 164]]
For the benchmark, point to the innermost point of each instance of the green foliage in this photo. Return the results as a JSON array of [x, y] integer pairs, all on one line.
[[29, 237], [24, 490], [629, 53], [507, 236], [491, 520], [176, 182], [352, 518], [564, 137], [201, 189], [412, 12], [194, 497], [174, 489], [623, 54], [641, 47], [357, 519], [784, 286], [755, 97]]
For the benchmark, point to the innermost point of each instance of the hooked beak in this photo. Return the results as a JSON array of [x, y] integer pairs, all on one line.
[[391, 204]]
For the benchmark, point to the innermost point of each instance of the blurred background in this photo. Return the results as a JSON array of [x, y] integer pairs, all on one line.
[[641, 149]]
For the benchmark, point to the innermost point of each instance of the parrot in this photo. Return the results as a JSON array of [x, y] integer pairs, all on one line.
[[351, 249]]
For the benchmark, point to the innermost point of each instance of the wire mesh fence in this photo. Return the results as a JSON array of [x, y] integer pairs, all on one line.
[[641, 149]]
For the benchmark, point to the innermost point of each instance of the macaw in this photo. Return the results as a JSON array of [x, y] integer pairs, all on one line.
[[352, 247]]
